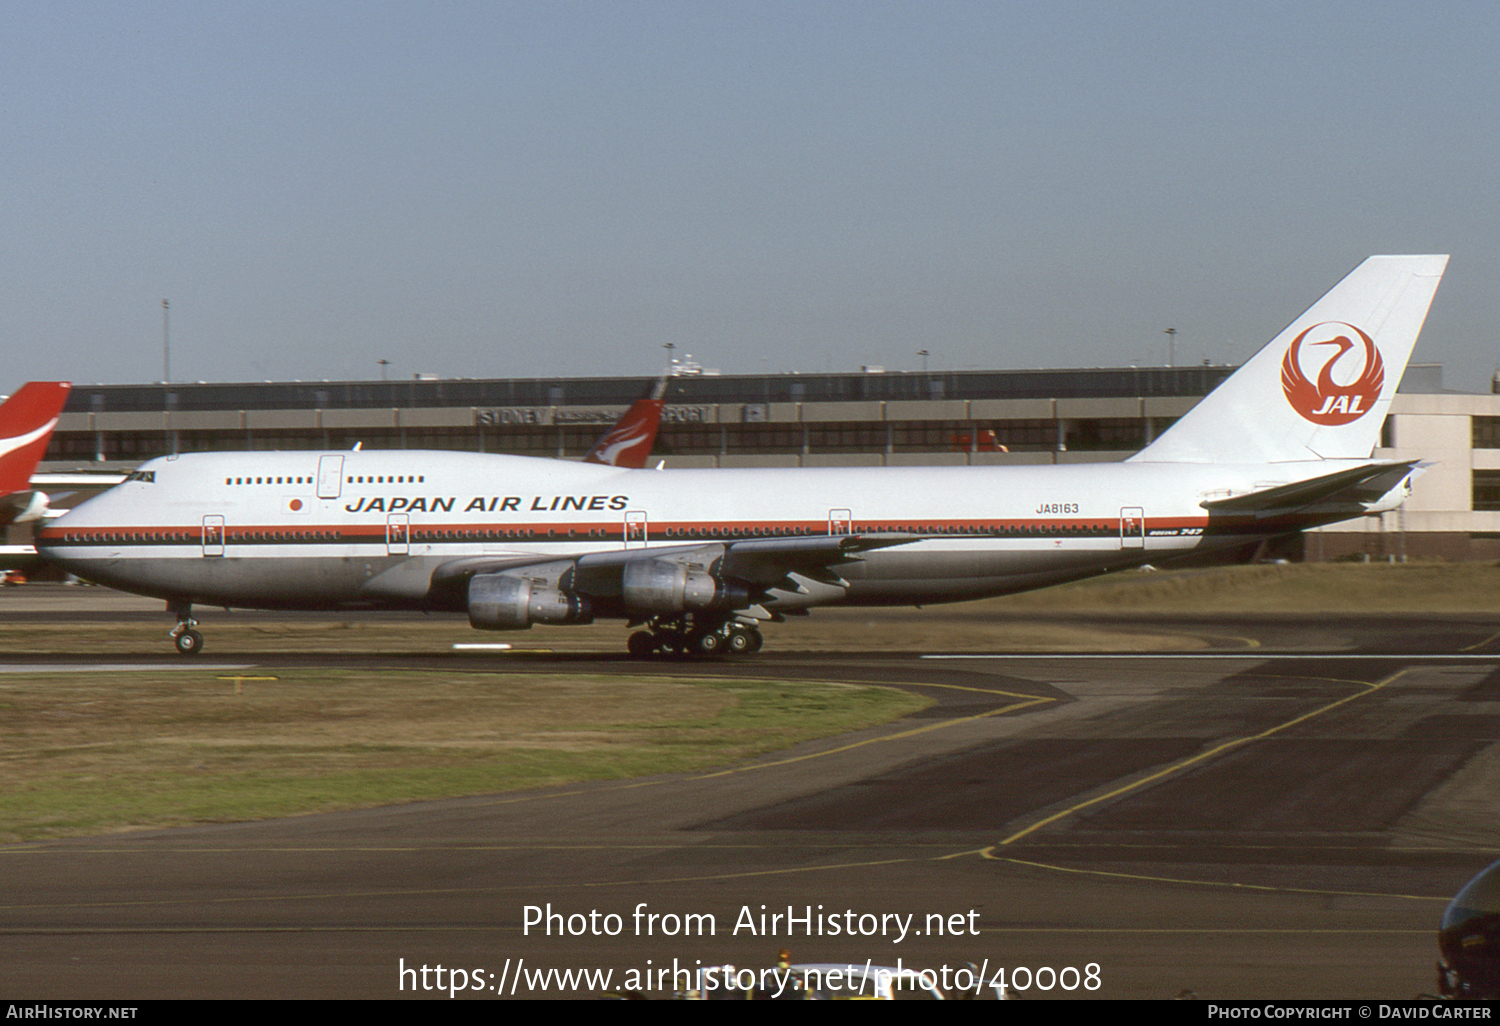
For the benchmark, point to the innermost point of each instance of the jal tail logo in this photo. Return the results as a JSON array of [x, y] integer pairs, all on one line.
[[1348, 373]]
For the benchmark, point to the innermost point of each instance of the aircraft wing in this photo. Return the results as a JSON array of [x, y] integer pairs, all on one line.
[[760, 561], [670, 579], [1362, 486]]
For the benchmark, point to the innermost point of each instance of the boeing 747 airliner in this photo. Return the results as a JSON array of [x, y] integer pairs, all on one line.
[[702, 558]]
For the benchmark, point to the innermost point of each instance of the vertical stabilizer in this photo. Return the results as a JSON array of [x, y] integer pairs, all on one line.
[[1321, 388], [26, 422], [629, 442]]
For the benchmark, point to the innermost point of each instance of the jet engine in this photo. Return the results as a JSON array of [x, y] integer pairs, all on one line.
[[516, 599], [667, 586]]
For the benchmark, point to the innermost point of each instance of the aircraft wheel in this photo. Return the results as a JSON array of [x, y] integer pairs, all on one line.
[[642, 645], [757, 639], [709, 644], [188, 643], [739, 642]]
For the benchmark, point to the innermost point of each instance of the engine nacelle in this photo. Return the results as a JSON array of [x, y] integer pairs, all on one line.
[[664, 586], [516, 599]]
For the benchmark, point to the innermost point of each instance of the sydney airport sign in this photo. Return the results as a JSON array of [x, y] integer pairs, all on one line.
[[584, 415]]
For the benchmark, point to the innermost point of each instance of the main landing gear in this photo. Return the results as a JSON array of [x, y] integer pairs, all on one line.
[[686, 636], [188, 641]]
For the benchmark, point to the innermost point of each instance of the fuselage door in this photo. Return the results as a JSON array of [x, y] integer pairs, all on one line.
[[330, 476], [635, 529], [397, 534], [1132, 528], [213, 535], [840, 521]]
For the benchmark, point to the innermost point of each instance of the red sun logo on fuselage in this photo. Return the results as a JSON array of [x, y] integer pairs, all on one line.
[[1328, 401]]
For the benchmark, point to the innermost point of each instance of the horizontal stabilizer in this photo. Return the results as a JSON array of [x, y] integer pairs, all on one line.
[[1358, 485]]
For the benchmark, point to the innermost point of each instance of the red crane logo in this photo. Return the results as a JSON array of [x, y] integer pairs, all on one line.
[[1330, 400]]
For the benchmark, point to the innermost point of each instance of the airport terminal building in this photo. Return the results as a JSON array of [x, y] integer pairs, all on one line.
[[871, 418]]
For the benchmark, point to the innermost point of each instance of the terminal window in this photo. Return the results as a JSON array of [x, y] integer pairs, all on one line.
[[1486, 486], [1486, 433]]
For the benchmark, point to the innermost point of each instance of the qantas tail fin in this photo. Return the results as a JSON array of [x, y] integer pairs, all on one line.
[[26, 422], [1321, 388], [629, 442]]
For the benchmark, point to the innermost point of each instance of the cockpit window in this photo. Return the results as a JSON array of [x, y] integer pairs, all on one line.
[[145, 476]]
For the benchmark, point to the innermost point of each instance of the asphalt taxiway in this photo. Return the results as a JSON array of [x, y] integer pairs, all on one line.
[[1281, 815]]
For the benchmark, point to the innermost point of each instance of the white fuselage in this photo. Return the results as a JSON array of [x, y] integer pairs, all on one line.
[[329, 530]]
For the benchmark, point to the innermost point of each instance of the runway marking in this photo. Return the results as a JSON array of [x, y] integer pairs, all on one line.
[[61, 847], [51, 849], [660, 881], [1480, 644], [986, 853], [43, 848], [408, 892], [110, 931], [1246, 642], [1267, 654], [1206, 755], [119, 667], [240, 678], [1233, 885]]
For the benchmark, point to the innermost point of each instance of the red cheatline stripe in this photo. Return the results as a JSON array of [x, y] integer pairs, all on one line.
[[563, 531]]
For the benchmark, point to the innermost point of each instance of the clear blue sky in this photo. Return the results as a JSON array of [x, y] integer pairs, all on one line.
[[539, 189]]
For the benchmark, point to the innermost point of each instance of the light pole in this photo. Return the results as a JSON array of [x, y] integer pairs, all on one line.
[[1171, 334], [168, 399]]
